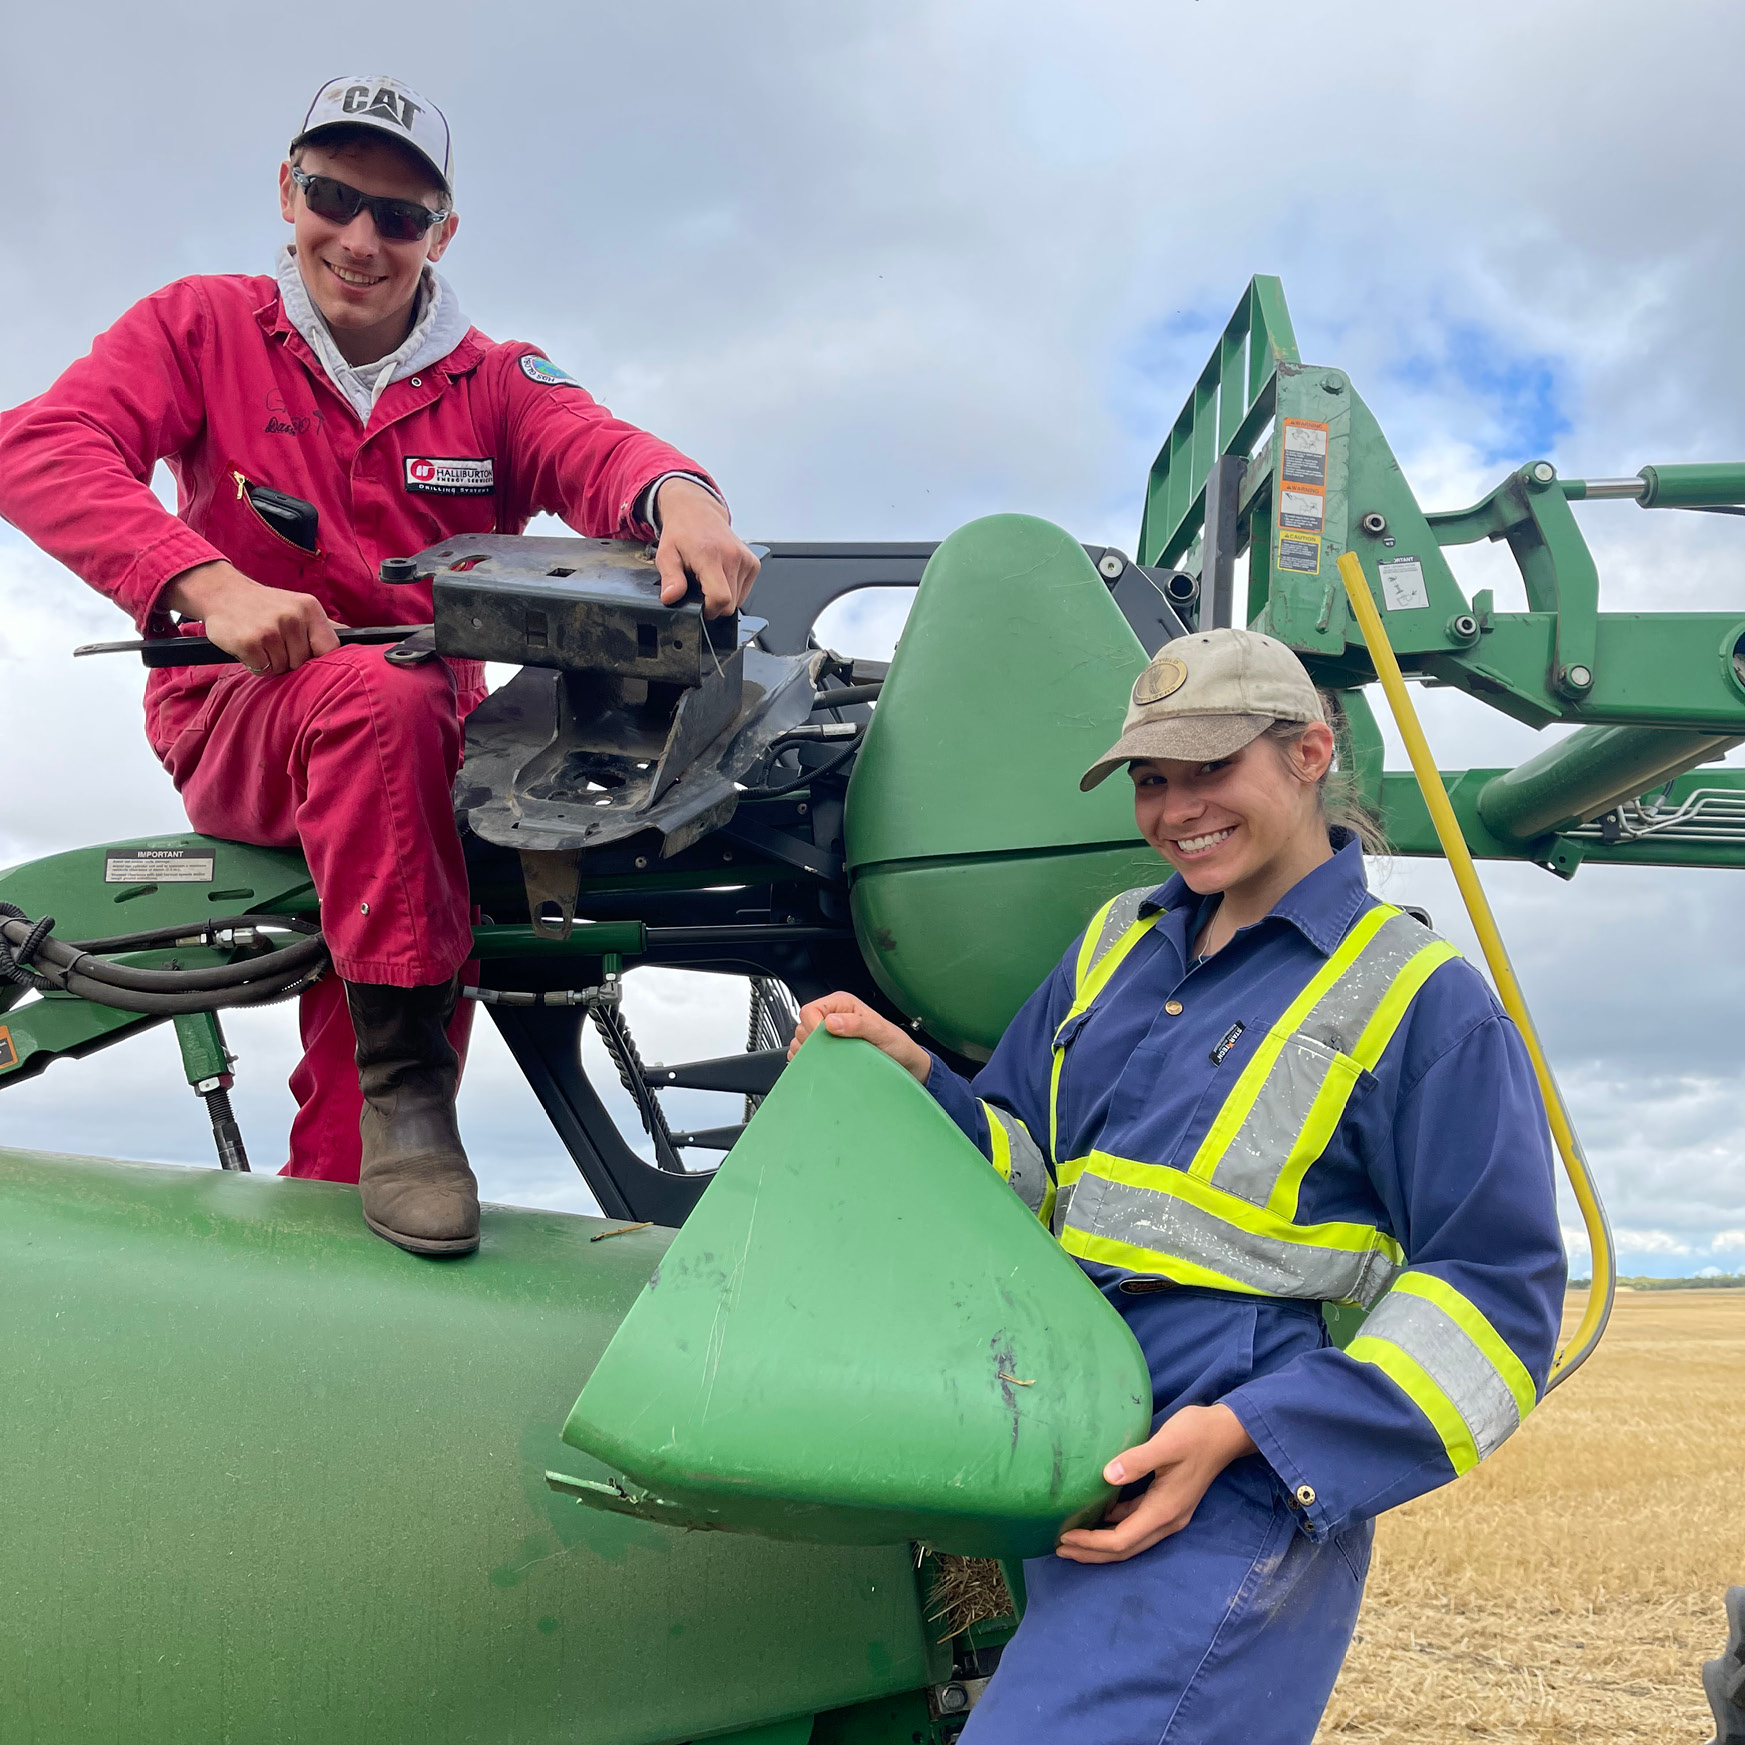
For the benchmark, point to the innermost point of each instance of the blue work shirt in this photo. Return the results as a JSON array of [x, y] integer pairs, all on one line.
[[1444, 1147]]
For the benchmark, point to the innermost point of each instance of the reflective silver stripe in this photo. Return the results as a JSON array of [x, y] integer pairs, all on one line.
[[1123, 912], [1443, 1349], [1172, 1229], [1063, 1199], [1257, 1154], [1029, 1177]]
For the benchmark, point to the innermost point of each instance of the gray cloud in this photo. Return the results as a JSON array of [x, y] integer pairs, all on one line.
[[888, 268]]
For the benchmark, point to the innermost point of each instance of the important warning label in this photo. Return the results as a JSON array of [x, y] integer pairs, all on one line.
[[1402, 584], [8, 1053], [1300, 553], [1302, 508], [1305, 453], [156, 866]]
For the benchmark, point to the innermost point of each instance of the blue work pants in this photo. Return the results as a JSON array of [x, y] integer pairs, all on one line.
[[1230, 1632]]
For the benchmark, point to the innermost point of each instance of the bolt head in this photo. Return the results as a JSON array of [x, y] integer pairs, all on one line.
[[1544, 472], [1110, 565], [1333, 383], [1580, 677]]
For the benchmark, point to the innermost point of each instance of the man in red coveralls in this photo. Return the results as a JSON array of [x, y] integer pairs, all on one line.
[[341, 382]]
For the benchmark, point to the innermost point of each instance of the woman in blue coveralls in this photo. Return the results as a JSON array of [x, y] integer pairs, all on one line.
[[1245, 1092]]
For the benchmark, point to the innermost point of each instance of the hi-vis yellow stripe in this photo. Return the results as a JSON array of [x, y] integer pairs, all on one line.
[[1254, 1076], [1089, 980], [998, 1143], [1261, 1221], [1471, 1320], [1415, 1382], [1328, 1108], [1111, 1251], [1385, 1020]]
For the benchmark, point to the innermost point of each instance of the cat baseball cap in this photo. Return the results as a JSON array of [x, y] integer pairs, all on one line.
[[1205, 696], [391, 107]]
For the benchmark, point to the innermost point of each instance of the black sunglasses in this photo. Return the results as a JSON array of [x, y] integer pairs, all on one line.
[[340, 203]]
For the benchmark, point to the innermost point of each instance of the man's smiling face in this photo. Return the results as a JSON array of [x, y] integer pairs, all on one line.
[[362, 285]]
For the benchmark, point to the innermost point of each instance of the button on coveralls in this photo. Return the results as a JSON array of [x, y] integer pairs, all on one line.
[[1333, 1106], [348, 757]]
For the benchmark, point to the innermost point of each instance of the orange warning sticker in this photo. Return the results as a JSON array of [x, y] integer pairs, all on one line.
[[8, 1054], [1302, 507], [1303, 456]]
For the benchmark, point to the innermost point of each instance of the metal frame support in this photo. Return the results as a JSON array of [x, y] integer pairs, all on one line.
[[207, 1062], [1222, 539]]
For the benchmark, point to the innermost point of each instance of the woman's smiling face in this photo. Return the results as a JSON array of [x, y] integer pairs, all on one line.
[[1223, 824]]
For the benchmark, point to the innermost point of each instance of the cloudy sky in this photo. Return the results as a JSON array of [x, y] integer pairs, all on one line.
[[886, 268]]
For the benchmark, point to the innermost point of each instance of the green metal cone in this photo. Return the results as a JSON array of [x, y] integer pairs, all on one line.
[[862, 1335]]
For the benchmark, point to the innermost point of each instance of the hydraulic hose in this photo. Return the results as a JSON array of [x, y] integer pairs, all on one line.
[[1387, 669], [31, 957]]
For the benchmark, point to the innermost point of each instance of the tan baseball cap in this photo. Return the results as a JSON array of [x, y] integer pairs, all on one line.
[[1205, 696]]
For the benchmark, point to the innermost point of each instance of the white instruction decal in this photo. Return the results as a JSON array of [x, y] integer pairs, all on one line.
[[1402, 584], [156, 866]]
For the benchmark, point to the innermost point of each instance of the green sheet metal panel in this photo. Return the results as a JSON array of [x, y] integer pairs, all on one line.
[[863, 1335], [1010, 679], [963, 943], [269, 1479], [974, 857]]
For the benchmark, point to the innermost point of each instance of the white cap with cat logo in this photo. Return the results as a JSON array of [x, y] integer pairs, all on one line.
[[1205, 696], [391, 107]]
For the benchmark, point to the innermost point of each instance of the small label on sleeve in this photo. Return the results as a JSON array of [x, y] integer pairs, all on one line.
[[450, 476], [543, 370]]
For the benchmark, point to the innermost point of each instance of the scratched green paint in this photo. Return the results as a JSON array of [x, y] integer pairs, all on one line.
[[863, 1335]]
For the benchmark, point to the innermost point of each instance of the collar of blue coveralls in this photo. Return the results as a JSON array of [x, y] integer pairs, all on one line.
[[1321, 906]]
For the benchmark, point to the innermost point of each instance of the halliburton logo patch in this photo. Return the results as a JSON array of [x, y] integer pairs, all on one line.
[[435, 476]]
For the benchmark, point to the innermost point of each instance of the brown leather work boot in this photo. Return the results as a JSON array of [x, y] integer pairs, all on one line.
[[417, 1187]]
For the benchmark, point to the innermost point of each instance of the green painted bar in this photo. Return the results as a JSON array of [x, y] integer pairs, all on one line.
[[1587, 773], [587, 939], [1694, 485]]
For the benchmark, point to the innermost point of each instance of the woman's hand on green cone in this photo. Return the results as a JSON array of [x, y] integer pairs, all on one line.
[[1191, 1449], [844, 1015]]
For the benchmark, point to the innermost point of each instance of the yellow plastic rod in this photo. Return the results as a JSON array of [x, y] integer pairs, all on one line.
[[1387, 669]]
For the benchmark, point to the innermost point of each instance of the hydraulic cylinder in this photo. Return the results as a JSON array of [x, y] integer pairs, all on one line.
[[1593, 770]]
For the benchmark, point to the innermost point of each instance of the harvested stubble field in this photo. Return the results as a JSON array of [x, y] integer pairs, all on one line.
[[1570, 1588]]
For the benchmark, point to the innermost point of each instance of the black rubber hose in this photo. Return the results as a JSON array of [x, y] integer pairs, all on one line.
[[29, 956], [162, 936], [806, 777], [172, 1005], [290, 962]]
